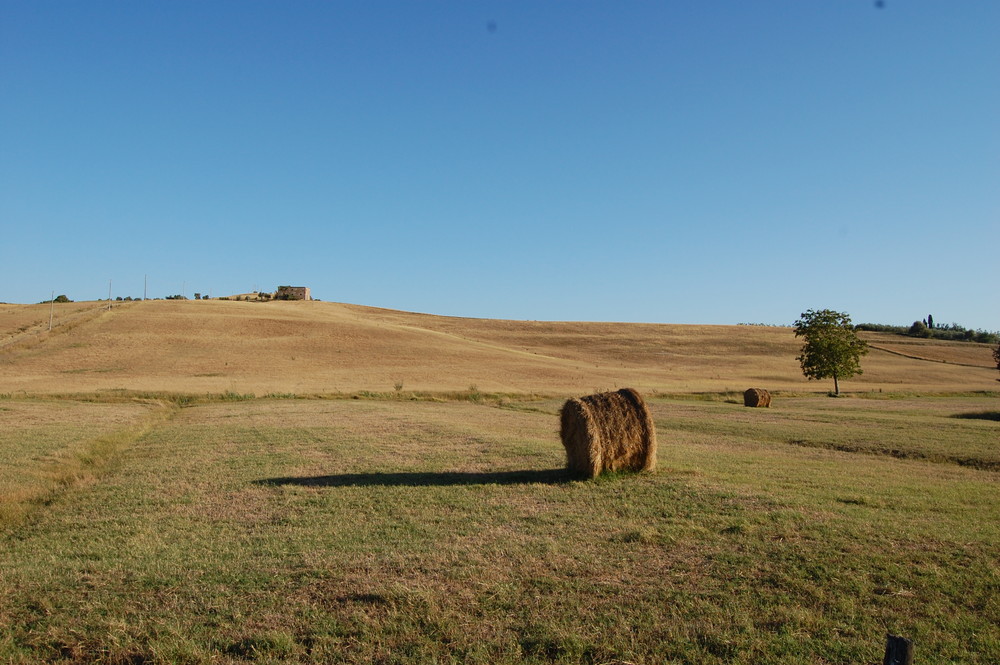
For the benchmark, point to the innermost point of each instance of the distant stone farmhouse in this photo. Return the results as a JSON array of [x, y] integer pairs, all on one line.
[[292, 293]]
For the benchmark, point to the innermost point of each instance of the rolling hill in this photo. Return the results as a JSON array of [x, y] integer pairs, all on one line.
[[321, 347]]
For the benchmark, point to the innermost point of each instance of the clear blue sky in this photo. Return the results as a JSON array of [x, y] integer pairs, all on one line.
[[668, 161]]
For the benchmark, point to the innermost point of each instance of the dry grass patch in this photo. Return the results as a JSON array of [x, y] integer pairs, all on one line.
[[326, 348], [936, 429], [47, 446], [15, 320], [972, 354]]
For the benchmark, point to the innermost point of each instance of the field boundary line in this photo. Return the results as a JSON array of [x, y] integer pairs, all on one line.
[[94, 459], [62, 325], [929, 360]]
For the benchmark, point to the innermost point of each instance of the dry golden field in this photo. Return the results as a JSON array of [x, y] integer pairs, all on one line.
[[18, 322], [153, 511], [321, 347]]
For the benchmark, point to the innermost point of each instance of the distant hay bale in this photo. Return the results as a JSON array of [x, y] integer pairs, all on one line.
[[756, 397], [608, 432]]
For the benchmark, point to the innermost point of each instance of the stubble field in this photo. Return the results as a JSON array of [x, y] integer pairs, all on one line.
[[432, 522], [329, 348]]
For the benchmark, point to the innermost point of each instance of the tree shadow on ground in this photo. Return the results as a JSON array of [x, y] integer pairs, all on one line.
[[979, 415], [427, 478]]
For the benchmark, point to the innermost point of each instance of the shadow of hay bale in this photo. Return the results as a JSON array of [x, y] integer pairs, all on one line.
[[425, 479], [979, 415]]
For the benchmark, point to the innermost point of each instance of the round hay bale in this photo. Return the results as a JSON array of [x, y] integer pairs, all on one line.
[[756, 397], [608, 432]]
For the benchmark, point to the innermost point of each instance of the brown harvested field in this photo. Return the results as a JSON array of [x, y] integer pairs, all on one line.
[[22, 323], [320, 347], [974, 355]]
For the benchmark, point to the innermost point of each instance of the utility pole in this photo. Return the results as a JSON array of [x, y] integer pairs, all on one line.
[[52, 306], [145, 282], [109, 295]]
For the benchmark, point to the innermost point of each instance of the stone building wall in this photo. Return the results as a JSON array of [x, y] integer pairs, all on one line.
[[293, 293]]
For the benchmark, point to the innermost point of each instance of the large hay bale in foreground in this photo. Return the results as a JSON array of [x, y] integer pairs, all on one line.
[[756, 397], [608, 432]]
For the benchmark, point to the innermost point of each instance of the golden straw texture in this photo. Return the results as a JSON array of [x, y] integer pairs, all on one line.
[[756, 397], [608, 432]]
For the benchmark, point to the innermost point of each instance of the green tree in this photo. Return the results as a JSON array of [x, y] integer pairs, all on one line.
[[832, 348], [996, 355]]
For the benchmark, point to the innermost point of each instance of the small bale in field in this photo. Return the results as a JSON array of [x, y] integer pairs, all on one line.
[[610, 431], [756, 397]]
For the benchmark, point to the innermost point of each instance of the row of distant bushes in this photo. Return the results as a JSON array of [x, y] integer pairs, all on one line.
[[926, 329], [63, 298], [952, 332], [197, 296]]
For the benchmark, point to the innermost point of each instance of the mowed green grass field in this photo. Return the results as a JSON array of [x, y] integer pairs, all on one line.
[[236, 530], [231, 482]]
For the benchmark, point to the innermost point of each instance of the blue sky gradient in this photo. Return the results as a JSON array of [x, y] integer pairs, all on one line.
[[674, 162]]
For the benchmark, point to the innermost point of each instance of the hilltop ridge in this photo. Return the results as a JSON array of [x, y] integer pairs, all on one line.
[[325, 347]]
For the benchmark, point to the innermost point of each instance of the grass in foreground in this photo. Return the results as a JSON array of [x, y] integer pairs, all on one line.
[[412, 532], [49, 446]]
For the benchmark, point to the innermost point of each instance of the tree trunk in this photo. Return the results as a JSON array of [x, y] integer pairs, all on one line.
[[836, 386]]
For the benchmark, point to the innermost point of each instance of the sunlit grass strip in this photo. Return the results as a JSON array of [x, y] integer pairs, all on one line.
[[197, 399], [472, 394], [79, 467]]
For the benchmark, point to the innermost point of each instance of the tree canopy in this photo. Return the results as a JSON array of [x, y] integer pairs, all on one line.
[[832, 348]]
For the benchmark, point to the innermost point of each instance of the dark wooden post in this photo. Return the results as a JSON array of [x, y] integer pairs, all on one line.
[[898, 651]]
